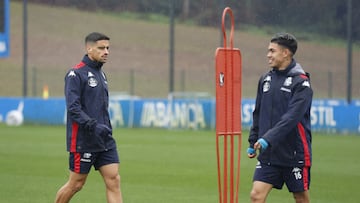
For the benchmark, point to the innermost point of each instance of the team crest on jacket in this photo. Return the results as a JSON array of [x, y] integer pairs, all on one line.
[[266, 85], [92, 82], [288, 81]]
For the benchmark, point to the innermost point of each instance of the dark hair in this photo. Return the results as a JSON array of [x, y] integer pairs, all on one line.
[[285, 39], [95, 36]]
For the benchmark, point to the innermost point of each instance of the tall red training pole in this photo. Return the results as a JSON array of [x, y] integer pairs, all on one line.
[[228, 116]]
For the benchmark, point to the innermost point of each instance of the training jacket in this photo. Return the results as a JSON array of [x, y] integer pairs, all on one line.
[[87, 101], [282, 117]]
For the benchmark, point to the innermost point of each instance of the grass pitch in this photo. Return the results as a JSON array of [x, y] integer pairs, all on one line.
[[161, 166]]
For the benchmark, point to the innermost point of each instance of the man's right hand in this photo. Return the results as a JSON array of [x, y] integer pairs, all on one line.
[[90, 125], [251, 152], [102, 130]]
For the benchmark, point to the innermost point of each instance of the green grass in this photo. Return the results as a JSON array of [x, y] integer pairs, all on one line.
[[159, 165]]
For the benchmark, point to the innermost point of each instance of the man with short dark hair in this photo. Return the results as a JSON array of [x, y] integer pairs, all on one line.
[[281, 130], [89, 132]]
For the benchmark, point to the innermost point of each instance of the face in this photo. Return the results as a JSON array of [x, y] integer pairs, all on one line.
[[98, 51], [278, 56]]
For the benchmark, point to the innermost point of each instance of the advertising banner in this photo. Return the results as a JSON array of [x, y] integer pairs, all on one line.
[[4, 28], [333, 116]]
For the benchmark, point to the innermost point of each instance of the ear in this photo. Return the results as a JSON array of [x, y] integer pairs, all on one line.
[[88, 48], [286, 52]]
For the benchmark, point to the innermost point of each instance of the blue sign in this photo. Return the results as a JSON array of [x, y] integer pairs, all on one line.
[[4, 28], [332, 116]]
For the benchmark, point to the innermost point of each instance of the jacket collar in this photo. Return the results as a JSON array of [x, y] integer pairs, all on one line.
[[292, 70], [91, 63], [287, 69]]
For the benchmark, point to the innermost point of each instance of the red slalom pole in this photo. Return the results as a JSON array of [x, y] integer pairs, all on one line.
[[228, 115]]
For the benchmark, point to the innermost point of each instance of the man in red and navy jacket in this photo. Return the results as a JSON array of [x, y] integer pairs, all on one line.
[[281, 128], [88, 126], [89, 132]]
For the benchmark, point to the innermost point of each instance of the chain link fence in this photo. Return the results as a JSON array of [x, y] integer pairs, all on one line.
[[155, 84]]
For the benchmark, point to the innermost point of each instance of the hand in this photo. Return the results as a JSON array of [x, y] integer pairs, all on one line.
[[251, 152], [90, 125], [261, 144], [102, 129]]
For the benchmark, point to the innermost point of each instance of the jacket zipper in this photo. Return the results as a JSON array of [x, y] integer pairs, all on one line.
[[102, 89]]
